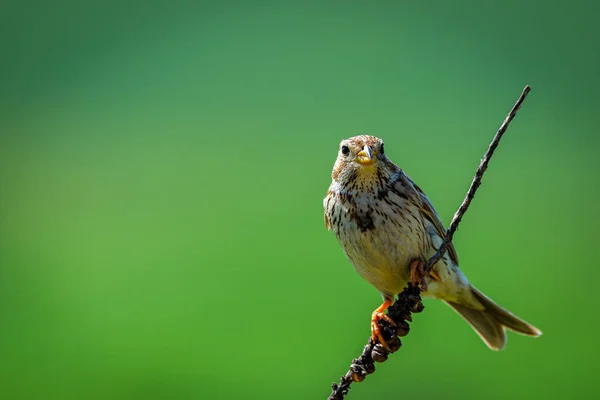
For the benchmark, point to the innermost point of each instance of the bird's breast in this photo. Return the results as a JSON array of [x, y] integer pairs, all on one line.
[[381, 235]]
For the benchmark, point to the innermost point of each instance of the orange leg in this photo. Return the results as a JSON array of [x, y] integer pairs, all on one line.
[[377, 315], [417, 274]]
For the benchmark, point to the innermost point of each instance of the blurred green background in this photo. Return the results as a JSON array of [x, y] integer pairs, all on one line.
[[162, 169]]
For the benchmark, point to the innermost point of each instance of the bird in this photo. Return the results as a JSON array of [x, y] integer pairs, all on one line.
[[388, 229]]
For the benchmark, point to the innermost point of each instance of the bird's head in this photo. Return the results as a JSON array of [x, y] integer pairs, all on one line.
[[360, 157]]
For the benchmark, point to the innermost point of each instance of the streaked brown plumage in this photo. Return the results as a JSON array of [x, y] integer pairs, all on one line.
[[387, 228]]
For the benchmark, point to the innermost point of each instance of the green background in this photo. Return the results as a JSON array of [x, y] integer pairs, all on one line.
[[162, 170]]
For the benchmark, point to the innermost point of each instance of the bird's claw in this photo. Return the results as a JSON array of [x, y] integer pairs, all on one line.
[[376, 331], [418, 274]]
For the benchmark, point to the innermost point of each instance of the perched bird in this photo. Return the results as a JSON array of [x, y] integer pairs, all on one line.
[[388, 228]]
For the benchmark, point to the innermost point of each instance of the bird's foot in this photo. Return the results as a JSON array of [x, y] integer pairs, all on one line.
[[418, 274], [378, 315]]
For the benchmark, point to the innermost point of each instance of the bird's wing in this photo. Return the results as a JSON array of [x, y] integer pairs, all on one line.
[[426, 208]]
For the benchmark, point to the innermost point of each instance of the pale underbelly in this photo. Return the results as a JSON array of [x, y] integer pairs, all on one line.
[[383, 258], [384, 261]]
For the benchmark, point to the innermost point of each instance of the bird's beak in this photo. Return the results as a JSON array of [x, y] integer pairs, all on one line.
[[365, 156]]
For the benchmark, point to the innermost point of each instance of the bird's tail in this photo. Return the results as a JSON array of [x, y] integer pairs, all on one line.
[[491, 322]]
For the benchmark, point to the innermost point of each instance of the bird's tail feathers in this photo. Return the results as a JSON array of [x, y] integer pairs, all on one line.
[[491, 322]]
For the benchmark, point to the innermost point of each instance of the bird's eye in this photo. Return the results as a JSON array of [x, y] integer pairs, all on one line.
[[381, 148], [345, 150]]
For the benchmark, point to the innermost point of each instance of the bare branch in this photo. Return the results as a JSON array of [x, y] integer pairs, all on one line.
[[476, 181], [409, 301]]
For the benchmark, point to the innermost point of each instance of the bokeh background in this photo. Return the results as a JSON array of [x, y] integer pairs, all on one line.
[[162, 169]]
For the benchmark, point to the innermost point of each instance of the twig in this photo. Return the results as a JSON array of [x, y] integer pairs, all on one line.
[[409, 301], [476, 181]]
